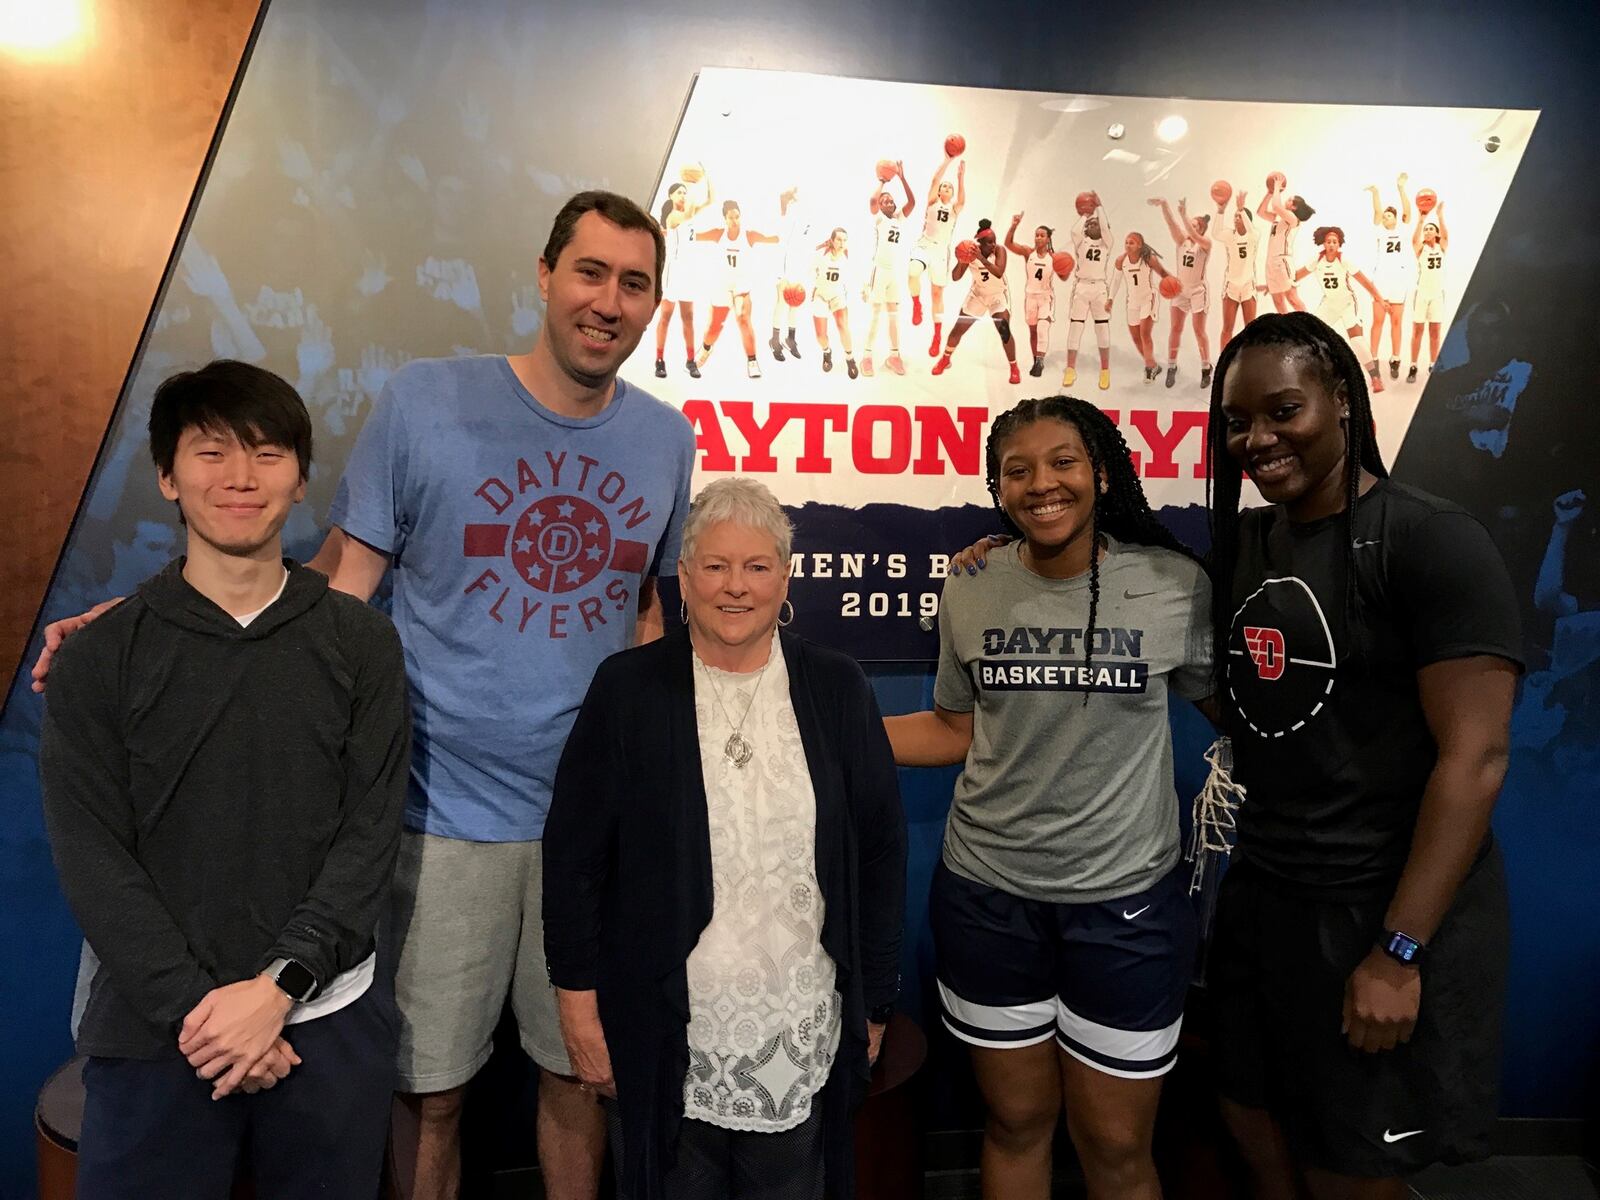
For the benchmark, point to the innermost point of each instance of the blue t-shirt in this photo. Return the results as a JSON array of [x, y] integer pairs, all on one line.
[[520, 539]]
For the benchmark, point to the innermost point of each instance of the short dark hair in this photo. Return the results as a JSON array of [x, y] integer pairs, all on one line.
[[225, 396], [619, 210]]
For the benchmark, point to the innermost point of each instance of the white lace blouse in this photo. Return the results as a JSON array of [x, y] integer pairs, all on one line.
[[763, 1013]]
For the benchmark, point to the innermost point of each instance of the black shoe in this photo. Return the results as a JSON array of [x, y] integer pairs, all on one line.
[[1394, 368], [850, 368], [1037, 369], [661, 368], [827, 360], [1411, 375], [1172, 376], [694, 371], [1205, 376], [794, 350], [776, 347]]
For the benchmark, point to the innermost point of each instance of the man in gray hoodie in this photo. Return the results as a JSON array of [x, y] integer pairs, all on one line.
[[224, 760]]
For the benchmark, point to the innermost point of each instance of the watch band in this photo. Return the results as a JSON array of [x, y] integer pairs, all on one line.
[[880, 1015]]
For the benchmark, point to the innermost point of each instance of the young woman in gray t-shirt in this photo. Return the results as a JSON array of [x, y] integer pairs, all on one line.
[[1064, 936]]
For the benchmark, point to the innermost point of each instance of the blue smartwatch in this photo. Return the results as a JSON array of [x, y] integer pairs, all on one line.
[[1402, 947]]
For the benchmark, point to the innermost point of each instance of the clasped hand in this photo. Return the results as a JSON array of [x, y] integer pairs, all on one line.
[[233, 1037]]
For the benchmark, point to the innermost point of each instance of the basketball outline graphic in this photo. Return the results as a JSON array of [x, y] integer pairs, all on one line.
[[1273, 697]]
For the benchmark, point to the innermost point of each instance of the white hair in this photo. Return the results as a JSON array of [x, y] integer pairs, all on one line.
[[744, 502]]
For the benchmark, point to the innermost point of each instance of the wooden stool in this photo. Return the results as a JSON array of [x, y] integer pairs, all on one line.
[[888, 1147], [57, 1122]]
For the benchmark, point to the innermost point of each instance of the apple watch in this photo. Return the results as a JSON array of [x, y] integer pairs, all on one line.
[[1402, 947], [294, 979]]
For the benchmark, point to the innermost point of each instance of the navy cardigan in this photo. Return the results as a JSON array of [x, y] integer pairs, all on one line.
[[627, 878]]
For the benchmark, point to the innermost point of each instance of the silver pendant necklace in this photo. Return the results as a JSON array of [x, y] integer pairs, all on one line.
[[737, 749]]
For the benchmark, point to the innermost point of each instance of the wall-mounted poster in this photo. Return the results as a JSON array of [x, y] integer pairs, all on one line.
[[862, 274]]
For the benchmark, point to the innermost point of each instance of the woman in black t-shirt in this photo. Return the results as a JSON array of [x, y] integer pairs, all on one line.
[[1367, 647]]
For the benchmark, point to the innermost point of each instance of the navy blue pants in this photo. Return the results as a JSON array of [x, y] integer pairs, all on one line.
[[151, 1130]]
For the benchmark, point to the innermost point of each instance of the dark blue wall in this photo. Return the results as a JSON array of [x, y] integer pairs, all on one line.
[[590, 94]]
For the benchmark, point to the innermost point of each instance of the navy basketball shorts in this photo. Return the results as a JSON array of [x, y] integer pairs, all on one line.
[[1276, 980], [1107, 980]]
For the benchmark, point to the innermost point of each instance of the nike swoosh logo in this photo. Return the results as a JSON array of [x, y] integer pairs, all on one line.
[[1128, 916], [1357, 545], [1127, 595], [1400, 1137]]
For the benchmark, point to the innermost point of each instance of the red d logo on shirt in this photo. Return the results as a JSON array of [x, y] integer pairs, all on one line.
[[1266, 650], [1281, 661], [560, 543], [568, 542]]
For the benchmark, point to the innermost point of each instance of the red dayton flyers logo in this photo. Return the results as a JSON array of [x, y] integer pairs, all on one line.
[[1266, 651], [560, 544], [1282, 666]]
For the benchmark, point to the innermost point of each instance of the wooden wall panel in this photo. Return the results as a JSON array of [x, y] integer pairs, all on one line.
[[100, 149]]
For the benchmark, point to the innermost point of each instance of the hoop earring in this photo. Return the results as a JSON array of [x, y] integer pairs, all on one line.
[[683, 612], [781, 622]]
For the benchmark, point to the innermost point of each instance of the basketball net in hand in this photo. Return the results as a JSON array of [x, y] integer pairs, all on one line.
[[1216, 811]]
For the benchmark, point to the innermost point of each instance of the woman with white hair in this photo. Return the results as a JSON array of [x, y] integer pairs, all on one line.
[[725, 883]]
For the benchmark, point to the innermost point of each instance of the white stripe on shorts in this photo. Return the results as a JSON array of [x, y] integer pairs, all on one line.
[[1094, 1044], [1007, 1028]]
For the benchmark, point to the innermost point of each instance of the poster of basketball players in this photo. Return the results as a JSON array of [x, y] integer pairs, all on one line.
[[902, 262]]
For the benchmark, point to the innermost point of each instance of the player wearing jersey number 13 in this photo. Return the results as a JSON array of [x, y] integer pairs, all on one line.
[[1367, 648], [1064, 938]]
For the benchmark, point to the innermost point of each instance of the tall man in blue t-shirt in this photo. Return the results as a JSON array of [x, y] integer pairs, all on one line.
[[525, 505]]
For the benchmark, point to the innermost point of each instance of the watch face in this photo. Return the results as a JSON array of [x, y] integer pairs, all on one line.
[[1403, 948], [296, 980]]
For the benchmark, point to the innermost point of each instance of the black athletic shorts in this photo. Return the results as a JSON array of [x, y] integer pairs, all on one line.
[[1276, 982]]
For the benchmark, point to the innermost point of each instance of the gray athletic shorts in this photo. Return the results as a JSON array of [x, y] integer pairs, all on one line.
[[466, 927]]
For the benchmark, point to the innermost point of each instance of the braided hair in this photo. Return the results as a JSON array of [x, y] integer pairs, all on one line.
[[1147, 252], [1120, 511], [1331, 356]]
